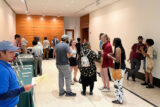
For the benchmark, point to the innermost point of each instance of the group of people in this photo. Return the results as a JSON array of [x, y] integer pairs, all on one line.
[[142, 51], [73, 56]]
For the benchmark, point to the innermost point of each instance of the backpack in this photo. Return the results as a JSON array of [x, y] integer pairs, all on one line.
[[84, 60]]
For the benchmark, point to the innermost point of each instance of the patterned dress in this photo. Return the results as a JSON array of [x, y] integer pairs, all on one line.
[[88, 74]]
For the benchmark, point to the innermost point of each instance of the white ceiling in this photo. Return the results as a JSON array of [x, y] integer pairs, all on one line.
[[58, 7]]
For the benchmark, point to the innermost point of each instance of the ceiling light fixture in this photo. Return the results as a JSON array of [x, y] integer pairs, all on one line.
[[28, 18], [54, 19], [22, 1], [41, 18]]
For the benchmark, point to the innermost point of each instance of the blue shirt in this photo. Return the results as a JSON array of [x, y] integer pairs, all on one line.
[[100, 44], [8, 82]]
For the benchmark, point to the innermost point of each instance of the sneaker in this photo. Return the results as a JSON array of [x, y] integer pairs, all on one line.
[[105, 90], [61, 94], [101, 88], [83, 93], [116, 102], [91, 93], [144, 83], [149, 86], [70, 94]]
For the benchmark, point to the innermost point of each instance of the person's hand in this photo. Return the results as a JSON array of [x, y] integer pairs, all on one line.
[[27, 88], [128, 60], [109, 55]]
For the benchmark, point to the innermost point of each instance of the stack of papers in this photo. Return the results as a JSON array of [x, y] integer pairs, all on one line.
[[37, 80]]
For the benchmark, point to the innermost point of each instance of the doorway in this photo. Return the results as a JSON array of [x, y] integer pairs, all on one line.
[[85, 34], [70, 33]]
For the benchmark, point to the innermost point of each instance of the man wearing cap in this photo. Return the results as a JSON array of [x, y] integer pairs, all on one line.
[[62, 54], [136, 57], [9, 88]]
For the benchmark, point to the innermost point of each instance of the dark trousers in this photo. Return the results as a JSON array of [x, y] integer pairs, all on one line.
[[91, 87], [135, 66]]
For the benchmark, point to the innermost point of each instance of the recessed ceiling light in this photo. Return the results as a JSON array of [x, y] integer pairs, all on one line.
[[41, 18], [28, 18], [23, 1], [54, 19]]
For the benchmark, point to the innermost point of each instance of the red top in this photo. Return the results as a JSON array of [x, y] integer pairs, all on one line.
[[107, 62], [136, 47]]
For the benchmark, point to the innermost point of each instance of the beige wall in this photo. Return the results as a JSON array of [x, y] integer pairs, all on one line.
[[127, 19], [73, 23], [7, 22]]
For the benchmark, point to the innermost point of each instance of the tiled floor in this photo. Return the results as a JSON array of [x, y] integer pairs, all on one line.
[[46, 93]]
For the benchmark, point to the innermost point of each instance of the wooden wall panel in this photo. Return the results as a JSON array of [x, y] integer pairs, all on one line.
[[49, 27], [84, 23]]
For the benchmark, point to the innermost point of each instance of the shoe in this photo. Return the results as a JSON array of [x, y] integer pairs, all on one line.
[[102, 88], [133, 79], [72, 83], [105, 90], [116, 102], [91, 93], [61, 94], [144, 83], [83, 93], [75, 80], [149, 86], [70, 94]]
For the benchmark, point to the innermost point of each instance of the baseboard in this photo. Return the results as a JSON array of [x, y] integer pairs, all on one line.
[[141, 76]]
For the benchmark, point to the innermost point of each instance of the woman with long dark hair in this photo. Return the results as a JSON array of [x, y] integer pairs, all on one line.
[[119, 58]]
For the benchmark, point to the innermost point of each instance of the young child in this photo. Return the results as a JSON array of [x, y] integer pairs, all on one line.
[[37, 53]]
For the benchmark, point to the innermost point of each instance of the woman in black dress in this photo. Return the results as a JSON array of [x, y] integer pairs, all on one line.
[[88, 74], [119, 58]]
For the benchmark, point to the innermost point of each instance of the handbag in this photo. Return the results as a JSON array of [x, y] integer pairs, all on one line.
[[116, 73]]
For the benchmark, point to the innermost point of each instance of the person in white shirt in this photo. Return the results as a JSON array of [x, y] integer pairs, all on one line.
[[24, 44], [37, 53], [46, 46], [73, 60]]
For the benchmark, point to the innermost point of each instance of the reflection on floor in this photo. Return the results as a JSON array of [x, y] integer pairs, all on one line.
[[46, 93]]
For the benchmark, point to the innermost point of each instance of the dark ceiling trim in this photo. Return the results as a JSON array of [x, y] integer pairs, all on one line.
[[9, 6], [26, 5]]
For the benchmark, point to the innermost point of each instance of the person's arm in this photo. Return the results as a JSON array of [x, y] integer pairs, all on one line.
[[117, 57], [15, 92], [12, 93], [95, 56], [68, 50]]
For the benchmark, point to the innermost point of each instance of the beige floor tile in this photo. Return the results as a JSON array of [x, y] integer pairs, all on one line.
[[46, 93]]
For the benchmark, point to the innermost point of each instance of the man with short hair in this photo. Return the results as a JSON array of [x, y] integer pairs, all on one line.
[[46, 46], [136, 57], [62, 61], [9, 88], [17, 41]]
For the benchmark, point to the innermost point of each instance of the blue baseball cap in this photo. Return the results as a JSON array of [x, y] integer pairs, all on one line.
[[7, 45]]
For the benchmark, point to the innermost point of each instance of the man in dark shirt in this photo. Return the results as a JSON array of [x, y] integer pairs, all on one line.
[[62, 54], [136, 57], [78, 45], [9, 88]]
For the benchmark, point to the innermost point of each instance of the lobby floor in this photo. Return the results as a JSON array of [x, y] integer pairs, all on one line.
[[46, 93]]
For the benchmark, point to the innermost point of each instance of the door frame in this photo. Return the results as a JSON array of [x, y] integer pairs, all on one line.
[[72, 30]]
